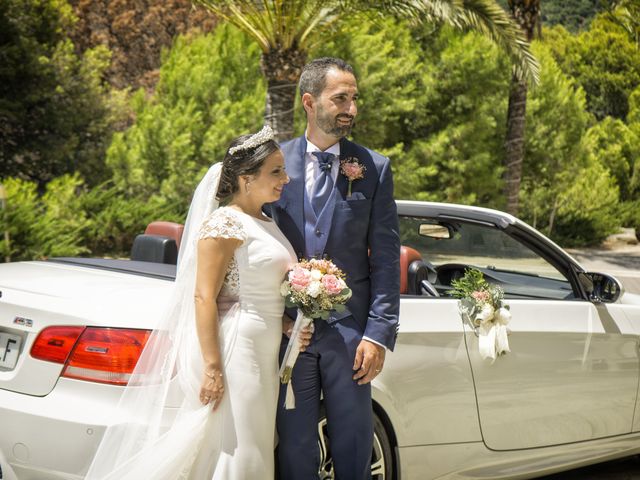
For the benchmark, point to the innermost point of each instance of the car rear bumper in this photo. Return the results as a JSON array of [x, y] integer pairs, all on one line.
[[55, 436]]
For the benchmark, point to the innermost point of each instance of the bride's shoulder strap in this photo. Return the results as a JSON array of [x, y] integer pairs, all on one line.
[[223, 223]]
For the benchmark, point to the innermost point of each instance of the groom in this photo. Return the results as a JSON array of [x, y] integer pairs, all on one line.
[[326, 210]]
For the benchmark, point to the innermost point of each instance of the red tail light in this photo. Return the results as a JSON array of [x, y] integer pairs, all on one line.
[[105, 355], [55, 343]]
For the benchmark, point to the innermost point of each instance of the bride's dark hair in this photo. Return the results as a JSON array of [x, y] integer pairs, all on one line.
[[242, 162]]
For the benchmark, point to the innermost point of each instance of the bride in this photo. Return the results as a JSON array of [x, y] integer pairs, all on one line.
[[218, 355]]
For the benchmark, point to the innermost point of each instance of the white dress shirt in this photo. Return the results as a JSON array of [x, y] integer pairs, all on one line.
[[311, 168]]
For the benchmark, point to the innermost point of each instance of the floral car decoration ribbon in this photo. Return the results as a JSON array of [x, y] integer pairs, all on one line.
[[315, 287], [482, 306], [351, 168]]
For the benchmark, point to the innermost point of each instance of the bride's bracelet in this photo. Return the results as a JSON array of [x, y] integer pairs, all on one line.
[[213, 375]]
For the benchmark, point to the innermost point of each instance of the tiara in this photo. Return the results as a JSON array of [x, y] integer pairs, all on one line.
[[254, 140]]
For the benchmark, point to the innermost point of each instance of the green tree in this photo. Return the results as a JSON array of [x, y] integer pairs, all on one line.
[[419, 107], [618, 148], [626, 13], [633, 119], [114, 218], [574, 15], [455, 135], [40, 226], [604, 61], [201, 102], [561, 164], [285, 30], [55, 112], [579, 220]]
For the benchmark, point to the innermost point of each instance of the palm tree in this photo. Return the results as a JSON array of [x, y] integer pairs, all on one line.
[[284, 29], [526, 13], [626, 13]]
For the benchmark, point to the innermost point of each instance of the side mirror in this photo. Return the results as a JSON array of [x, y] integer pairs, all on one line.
[[602, 288]]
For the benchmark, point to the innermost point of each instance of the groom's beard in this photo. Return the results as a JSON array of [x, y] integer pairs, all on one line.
[[331, 126]]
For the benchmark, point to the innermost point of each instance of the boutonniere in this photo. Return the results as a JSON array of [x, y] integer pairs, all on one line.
[[352, 169]]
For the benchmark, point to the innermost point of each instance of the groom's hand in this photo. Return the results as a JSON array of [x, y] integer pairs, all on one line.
[[368, 362]]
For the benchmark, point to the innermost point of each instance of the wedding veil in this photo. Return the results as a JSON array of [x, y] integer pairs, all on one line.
[[160, 418]]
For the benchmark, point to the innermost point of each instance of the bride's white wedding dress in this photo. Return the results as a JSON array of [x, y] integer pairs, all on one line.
[[239, 440], [236, 442]]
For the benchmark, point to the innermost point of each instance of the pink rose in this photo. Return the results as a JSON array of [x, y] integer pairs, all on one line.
[[352, 170], [332, 284], [299, 278], [480, 296]]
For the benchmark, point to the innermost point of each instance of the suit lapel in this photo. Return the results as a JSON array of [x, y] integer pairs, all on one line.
[[295, 189], [347, 149]]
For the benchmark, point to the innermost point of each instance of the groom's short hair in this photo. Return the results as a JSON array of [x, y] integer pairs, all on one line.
[[314, 74]]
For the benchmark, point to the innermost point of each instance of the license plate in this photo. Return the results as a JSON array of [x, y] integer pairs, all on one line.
[[9, 350]]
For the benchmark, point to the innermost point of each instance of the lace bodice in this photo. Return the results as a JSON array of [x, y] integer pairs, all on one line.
[[224, 223]]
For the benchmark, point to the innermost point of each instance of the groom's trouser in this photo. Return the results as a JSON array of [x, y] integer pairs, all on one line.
[[327, 366]]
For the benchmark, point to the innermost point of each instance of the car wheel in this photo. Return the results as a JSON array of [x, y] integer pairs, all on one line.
[[381, 455]]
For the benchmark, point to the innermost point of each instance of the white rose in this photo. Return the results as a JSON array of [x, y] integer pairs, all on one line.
[[503, 315], [284, 289], [486, 314], [314, 289], [316, 274], [342, 284]]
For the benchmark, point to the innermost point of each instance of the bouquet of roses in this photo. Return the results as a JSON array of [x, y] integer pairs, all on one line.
[[482, 305], [315, 287]]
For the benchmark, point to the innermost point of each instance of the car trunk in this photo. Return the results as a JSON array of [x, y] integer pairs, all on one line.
[[37, 295]]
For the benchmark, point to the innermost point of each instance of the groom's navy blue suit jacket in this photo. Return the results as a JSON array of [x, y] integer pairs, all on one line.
[[362, 237]]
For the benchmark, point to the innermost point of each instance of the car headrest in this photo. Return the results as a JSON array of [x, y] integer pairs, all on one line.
[[154, 248], [166, 229], [408, 255]]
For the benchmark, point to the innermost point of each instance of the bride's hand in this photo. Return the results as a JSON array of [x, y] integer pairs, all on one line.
[[305, 334], [212, 388]]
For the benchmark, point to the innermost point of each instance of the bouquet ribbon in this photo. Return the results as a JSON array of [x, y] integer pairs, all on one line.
[[290, 357], [493, 340]]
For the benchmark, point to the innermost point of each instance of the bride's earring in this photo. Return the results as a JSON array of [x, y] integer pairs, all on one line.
[[247, 188]]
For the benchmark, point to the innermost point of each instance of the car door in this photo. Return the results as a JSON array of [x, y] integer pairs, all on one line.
[[572, 373]]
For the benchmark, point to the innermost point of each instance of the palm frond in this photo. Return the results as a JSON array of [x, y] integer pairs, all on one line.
[[484, 16], [626, 13], [406, 9], [275, 24], [488, 18], [233, 13], [323, 21]]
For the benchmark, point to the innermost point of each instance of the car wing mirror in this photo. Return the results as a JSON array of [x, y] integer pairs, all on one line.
[[602, 288]]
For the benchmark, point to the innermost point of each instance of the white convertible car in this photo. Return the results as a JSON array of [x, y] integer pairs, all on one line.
[[71, 331]]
